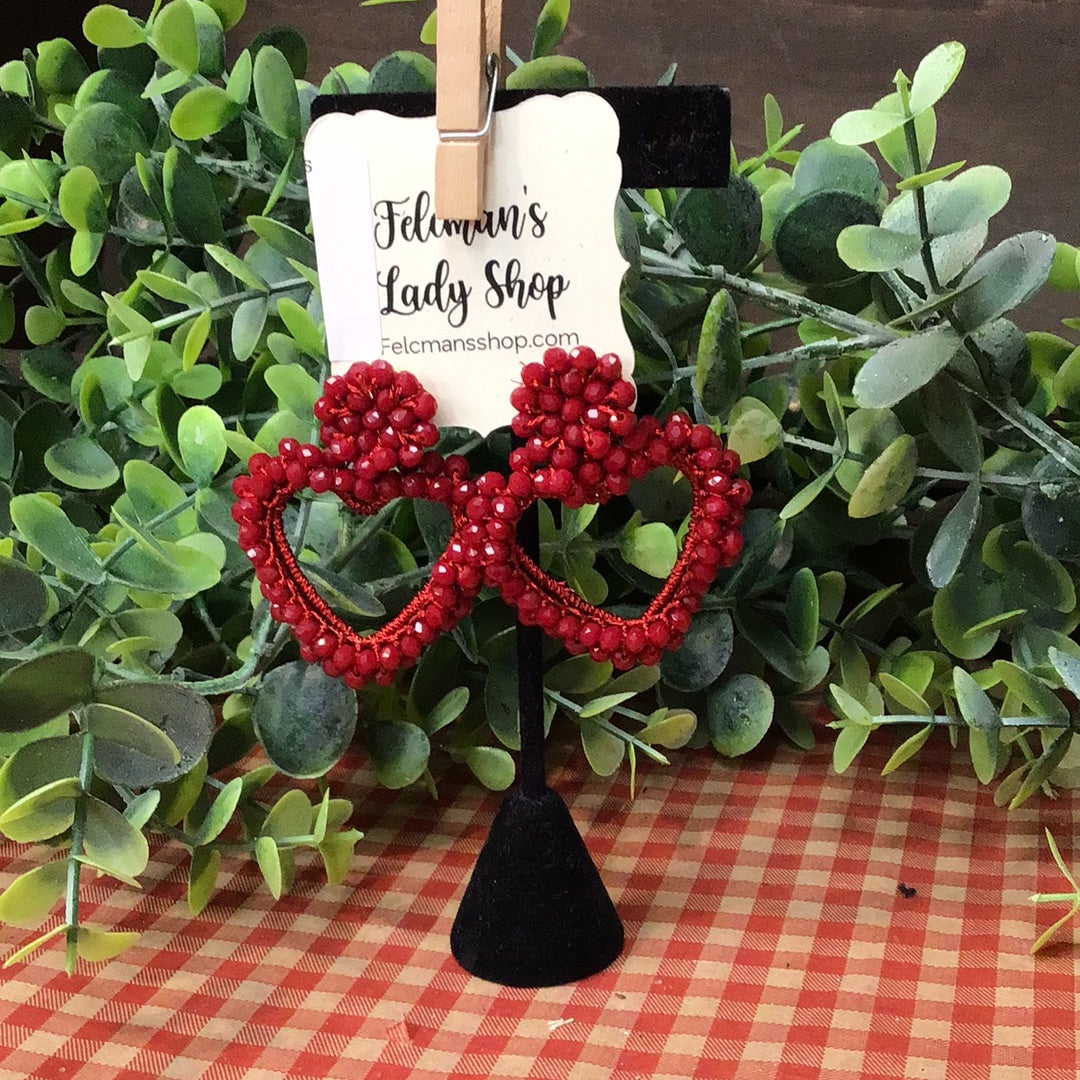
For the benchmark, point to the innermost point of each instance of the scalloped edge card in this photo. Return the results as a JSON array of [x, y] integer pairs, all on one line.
[[463, 305]]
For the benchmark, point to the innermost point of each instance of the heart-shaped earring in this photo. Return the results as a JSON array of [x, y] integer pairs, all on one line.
[[582, 443], [377, 433]]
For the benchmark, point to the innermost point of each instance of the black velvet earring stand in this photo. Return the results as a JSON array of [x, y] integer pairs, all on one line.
[[535, 912]]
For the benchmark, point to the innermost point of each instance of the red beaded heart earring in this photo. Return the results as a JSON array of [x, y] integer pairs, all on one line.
[[581, 443]]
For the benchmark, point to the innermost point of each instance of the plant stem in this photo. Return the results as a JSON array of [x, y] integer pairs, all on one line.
[[817, 352], [656, 266], [939, 720], [926, 473], [74, 866], [220, 304], [575, 709], [1036, 429]]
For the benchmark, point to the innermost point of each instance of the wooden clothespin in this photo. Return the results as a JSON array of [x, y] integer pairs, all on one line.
[[467, 75]]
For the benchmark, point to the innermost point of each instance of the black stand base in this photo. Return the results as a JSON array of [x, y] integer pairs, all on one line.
[[535, 912]]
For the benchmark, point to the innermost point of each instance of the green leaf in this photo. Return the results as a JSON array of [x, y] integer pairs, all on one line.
[[851, 709], [304, 719], [549, 73], [202, 878], [904, 365], [1042, 767], [294, 388], [308, 336], [173, 569], [109, 27], [949, 419], [907, 749], [550, 26], [872, 248], [129, 731], [754, 431], [428, 36], [774, 120], [141, 809], [1068, 667], [82, 202], [1005, 277], [402, 72], [863, 126], [284, 239], [26, 600], [176, 37], [46, 686], [238, 84], [97, 946], [399, 752], [56, 798], [669, 728], [179, 796], [962, 604], [603, 750], [43, 324], [651, 548], [739, 714], [268, 857], [446, 710], [848, 743], [29, 899], [275, 93], [42, 820], [33, 946], [105, 138], [289, 818], [975, 705], [930, 176], [337, 854], [249, 321], [501, 694], [203, 112], [220, 813], [230, 12], [1065, 271], [578, 675], [951, 540], [907, 697], [703, 655], [190, 196], [803, 609], [719, 356], [1035, 695], [807, 494], [969, 200], [81, 463], [201, 435], [111, 843], [152, 493], [893, 146], [236, 266], [602, 704], [492, 766], [886, 480], [934, 75]]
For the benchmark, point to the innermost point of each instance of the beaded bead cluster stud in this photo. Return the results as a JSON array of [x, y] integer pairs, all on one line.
[[580, 442]]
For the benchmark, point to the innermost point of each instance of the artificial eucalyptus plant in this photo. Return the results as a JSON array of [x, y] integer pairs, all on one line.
[[912, 548]]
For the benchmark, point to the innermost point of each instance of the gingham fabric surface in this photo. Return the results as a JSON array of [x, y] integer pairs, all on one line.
[[767, 936]]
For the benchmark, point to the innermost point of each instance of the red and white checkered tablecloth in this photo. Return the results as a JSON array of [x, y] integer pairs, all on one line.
[[766, 937]]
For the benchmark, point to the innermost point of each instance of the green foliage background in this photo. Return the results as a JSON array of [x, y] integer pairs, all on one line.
[[912, 548]]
